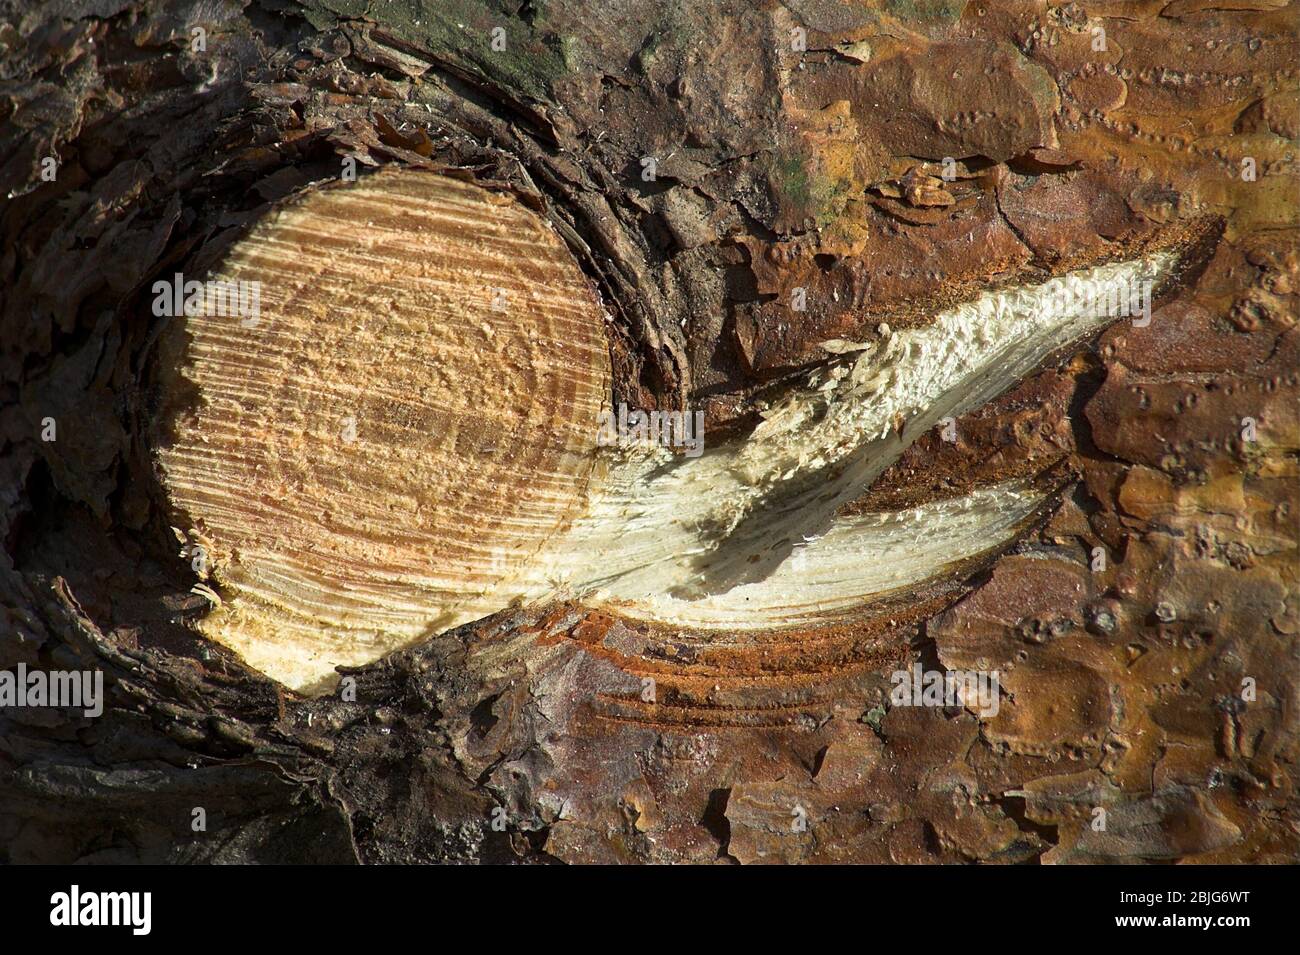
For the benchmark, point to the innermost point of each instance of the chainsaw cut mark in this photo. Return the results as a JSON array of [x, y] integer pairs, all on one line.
[[466, 353]]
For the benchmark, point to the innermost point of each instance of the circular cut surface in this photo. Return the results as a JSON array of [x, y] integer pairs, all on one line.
[[408, 415]]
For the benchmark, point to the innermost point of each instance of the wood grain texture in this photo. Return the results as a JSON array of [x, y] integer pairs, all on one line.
[[407, 418]]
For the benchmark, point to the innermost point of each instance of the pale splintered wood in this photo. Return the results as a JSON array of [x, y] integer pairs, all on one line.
[[407, 420], [748, 535]]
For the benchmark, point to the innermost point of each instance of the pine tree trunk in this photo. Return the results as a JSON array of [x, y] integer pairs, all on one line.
[[700, 207]]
